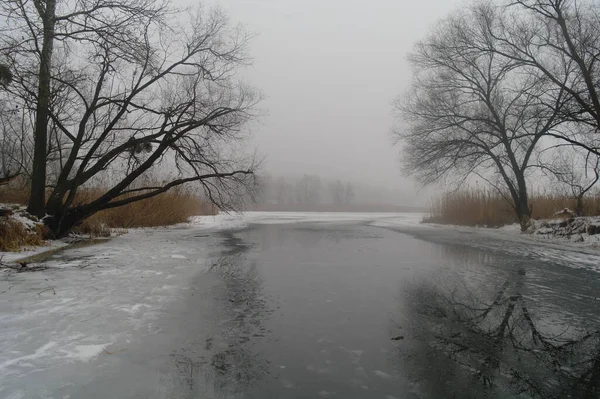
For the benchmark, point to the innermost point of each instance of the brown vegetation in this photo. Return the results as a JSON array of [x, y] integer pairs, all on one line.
[[175, 206], [14, 235], [478, 207]]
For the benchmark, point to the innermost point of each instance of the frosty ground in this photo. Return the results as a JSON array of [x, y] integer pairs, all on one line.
[[95, 302]]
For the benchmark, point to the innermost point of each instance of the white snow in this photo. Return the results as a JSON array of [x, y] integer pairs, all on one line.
[[84, 353], [21, 216], [8, 257], [91, 300]]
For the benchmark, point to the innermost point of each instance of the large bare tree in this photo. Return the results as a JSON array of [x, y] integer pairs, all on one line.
[[561, 40], [135, 88], [473, 111]]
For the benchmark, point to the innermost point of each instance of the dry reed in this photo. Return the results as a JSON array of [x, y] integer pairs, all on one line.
[[175, 206], [485, 207], [14, 235]]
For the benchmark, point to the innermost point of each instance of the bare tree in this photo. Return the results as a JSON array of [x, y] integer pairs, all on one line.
[[5, 75], [473, 111], [14, 148], [282, 191], [478, 343], [308, 190], [35, 27], [135, 89], [341, 193], [561, 40], [576, 170], [10, 162]]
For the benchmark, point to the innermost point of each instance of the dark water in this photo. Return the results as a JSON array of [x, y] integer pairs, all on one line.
[[349, 311]]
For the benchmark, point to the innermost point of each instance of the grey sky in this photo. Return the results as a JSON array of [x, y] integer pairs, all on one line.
[[329, 70]]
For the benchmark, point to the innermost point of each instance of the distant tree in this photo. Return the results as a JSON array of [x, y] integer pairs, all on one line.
[[282, 191], [14, 148], [11, 156], [118, 91], [263, 191], [341, 193], [472, 111], [308, 190]]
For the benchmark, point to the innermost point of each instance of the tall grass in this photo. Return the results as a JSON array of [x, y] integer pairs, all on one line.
[[175, 206], [485, 207], [14, 235]]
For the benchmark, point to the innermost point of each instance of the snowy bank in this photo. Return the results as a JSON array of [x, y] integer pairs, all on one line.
[[569, 229], [21, 234]]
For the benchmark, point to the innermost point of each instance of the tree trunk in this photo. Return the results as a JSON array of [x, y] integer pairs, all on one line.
[[61, 224], [579, 206], [522, 206], [37, 196]]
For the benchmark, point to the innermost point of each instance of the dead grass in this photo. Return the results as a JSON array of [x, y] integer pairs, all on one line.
[[175, 206], [479, 207], [14, 193], [14, 235]]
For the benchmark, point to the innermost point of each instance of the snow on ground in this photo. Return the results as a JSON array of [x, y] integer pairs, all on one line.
[[92, 301], [583, 230]]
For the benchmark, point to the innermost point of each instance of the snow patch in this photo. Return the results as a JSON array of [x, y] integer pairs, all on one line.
[[85, 353], [571, 229]]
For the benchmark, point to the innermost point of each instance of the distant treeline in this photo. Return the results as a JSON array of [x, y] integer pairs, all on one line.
[[312, 193], [335, 208]]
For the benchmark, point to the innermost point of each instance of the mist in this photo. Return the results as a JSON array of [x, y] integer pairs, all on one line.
[[329, 72]]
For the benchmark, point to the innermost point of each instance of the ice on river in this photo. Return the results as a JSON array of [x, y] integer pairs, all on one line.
[[94, 302]]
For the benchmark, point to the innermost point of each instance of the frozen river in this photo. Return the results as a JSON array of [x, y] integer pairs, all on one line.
[[319, 309]]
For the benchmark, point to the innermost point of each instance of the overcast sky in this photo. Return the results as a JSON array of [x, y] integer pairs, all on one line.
[[329, 70]]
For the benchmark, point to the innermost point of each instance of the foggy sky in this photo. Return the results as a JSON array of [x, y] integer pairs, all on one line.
[[329, 70]]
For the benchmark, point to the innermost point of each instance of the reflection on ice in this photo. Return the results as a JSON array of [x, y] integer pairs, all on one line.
[[465, 342]]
